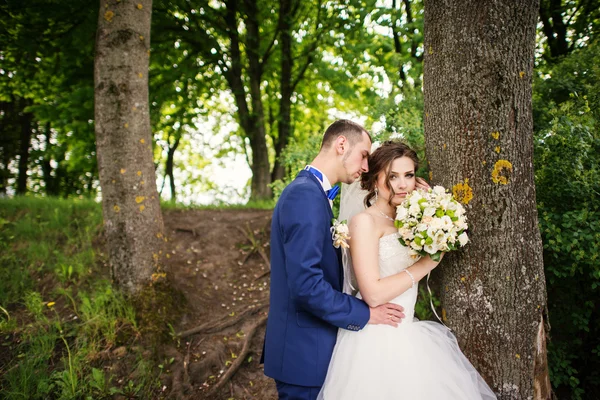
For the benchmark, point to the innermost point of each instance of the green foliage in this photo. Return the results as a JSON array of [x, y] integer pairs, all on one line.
[[567, 173]]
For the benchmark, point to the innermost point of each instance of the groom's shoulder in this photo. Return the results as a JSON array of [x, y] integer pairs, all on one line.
[[303, 182]]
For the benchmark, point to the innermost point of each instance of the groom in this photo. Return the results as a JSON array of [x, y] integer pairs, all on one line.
[[307, 304]]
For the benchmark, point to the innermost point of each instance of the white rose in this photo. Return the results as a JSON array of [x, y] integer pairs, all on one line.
[[446, 223], [415, 197], [431, 248], [429, 212], [401, 213], [343, 229], [406, 233], [463, 238], [439, 190], [460, 224], [415, 246], [436, 224], [414, 209], [413, 254]]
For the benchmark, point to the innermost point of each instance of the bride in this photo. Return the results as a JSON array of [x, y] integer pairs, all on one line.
[[418, 359]]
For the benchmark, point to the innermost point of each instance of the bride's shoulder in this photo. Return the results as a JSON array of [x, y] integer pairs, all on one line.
[[363, 220]]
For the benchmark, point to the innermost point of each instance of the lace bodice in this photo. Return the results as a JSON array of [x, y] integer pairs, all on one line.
[[394, 258]]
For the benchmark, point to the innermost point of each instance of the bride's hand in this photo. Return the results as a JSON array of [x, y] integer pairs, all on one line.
[[422, 184]]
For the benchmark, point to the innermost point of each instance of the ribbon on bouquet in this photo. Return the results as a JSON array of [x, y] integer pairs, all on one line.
[[432, 306]]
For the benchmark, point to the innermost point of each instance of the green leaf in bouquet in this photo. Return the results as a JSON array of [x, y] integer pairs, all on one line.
[[450, 213], [436, 257], [418, 240], [429, 240], [398, 224], [402, 242], [439, 213]]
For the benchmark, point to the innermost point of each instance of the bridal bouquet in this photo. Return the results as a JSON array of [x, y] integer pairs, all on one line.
[[431, 222]]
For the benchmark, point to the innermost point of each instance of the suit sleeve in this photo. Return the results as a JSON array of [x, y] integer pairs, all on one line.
[[305, 229]]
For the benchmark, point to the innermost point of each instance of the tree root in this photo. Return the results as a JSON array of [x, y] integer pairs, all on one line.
[[240, 359], [225, 322], [194, 230]]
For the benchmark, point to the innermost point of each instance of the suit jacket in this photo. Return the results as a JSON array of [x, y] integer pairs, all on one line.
[[307, 306]]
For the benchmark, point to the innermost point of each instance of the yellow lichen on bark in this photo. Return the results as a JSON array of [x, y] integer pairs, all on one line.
[[108, 16], [139, 199], [497, 149], [502, 172], [496, 135], [462, 192], [139, 6]]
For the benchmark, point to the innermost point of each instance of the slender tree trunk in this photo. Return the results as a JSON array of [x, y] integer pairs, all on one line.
[[49, 181], [285, 103], [169, 166], [132, 216], [479, 137], [25, 144], [251, 121], [261, 169]]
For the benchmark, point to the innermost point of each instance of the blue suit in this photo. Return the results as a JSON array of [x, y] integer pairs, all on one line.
[[307, 306]]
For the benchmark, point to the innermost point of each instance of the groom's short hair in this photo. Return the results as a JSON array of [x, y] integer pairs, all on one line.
[[344, 127]]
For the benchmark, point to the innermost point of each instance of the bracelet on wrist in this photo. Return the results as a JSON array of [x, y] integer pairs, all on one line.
[[412, 278]]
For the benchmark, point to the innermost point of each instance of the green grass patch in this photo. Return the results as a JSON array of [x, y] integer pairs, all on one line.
[[60, 317]]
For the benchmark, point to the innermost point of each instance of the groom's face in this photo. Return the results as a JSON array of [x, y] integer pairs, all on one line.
[[355, 160]]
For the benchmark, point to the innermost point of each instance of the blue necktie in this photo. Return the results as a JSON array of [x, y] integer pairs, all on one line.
[[333, 192]]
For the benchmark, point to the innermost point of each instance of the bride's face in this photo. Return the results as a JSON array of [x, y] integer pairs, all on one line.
[[402, 180]]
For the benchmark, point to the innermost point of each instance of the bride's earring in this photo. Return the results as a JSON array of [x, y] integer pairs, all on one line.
[[376, 190]]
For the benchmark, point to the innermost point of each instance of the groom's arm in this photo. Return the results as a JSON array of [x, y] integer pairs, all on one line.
[[302, 228]]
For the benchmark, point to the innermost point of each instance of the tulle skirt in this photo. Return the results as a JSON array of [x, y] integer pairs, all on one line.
[[416, 361]]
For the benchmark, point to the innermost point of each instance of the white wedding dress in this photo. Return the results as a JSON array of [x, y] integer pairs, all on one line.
[[418, 360]]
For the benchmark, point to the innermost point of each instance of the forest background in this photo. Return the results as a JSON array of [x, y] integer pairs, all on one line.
[[232, 123]]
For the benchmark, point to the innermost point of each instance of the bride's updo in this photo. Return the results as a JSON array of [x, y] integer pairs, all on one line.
[[381, 160]]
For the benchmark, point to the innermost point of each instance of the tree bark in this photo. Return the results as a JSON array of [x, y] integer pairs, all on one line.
[[284, 122], [169, 165], [251, 120], [479, 142], [261, 169], [132, 217], [25, 143]]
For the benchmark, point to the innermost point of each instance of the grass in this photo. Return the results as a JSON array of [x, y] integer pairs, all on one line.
[[58, 310], [251, 205]]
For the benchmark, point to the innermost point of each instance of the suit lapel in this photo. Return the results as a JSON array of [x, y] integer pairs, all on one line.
[[318, 183]]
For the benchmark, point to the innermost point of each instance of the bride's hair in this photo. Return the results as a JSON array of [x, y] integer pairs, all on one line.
[[381, 160]]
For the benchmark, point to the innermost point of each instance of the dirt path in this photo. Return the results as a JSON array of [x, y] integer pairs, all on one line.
[[216, 258]]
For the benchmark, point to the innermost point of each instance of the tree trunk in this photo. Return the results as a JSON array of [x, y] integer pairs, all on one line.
[[479, 141], [285, 103], [49, 181], [169, 166], [251, 121], [261, 169], [132, 216], [25, 143]]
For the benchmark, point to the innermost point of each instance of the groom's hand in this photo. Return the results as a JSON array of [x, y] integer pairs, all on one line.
[[386, 314]]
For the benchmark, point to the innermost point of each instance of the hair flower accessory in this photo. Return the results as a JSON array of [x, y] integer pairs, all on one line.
[[340, 234]]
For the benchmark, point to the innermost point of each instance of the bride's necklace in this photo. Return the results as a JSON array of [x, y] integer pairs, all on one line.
[[384, 214]]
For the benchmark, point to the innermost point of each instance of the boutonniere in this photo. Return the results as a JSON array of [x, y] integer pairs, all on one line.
[[340, 234]]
